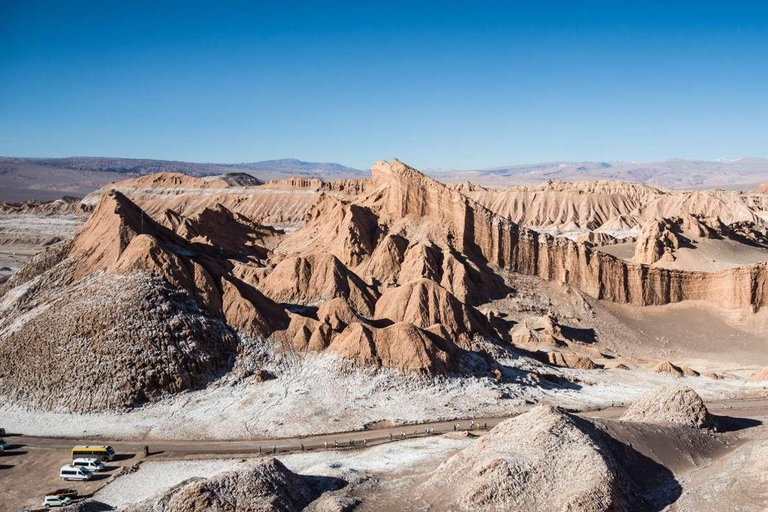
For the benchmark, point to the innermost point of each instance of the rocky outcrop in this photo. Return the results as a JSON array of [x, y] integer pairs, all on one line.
[[223, 229], [401, 346], [543, 460], [569, 360], [266, 486], [760, 375], [120, 238], [674, 370], [597, 239], [677, 406], [65, 206], [656, 241], [120, 341], [313, 279], [425, 303], [335, 227]]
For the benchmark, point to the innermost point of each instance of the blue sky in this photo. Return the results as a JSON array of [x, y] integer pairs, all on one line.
[[438, 85]]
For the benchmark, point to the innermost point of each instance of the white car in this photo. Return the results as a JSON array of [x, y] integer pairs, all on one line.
[[89, 463], [56, 501], [75, 473]]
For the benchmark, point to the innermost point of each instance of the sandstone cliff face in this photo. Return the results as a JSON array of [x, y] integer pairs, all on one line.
[[403, 192], [564, 205]]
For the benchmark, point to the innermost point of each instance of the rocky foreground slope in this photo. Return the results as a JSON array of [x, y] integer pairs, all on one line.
[[160, 301], [550, 460], [267, 486]]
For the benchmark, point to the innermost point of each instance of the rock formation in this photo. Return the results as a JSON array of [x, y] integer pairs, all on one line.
[[402, 346], [266, 486], [760, 375], [386, 272], [316, 278], [676, 405], [597, 239], [543, 460]]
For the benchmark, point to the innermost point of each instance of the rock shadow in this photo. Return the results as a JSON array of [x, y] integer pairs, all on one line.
[[587, 336], [733, 424], [647, 485]]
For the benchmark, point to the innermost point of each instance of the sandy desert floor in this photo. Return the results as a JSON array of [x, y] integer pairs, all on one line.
[[390, 476]]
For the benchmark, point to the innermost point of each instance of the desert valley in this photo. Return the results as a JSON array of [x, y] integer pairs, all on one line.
[[391, 342]]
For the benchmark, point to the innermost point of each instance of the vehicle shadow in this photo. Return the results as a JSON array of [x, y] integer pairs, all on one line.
[[14, 446], [123, 456], [92, 505], [10, 453], [6, 466]]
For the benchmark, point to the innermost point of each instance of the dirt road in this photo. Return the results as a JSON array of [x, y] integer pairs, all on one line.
[[742, 407], [30, 470]]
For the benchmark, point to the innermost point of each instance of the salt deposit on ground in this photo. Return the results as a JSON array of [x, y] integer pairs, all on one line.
[[307, 392], [155, 477]]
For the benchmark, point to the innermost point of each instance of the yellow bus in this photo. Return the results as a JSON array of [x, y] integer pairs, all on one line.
[[97, 452]]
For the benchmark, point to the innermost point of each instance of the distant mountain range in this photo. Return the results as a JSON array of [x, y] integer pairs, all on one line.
[[741, 173], [50, 178]]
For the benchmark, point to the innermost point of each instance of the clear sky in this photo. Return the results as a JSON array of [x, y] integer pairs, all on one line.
[[438, 84]]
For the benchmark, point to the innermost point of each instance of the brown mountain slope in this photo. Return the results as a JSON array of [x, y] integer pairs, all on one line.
[[276, 202], [390, 277], [402, 195], [138, 310]]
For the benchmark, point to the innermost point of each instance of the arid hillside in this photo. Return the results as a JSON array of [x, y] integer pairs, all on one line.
[[394, 272]]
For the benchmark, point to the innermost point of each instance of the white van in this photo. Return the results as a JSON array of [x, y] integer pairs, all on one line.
[[75, 473], [91, 464], [56, 501]]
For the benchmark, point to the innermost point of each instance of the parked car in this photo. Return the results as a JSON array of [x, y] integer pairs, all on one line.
[[56, 501], [2, 432], [3, 443], [75, 473], [64, 493], [91, 464], [2, 448]]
